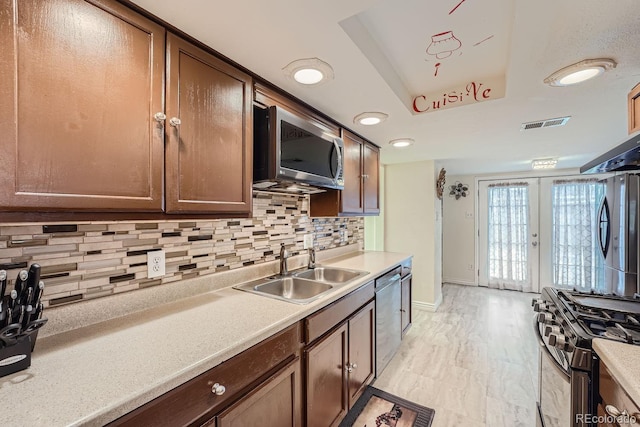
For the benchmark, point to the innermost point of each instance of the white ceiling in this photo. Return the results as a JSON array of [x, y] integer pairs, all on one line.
[[388, 64]]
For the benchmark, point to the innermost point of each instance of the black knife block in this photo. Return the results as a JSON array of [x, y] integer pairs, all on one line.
[[16, 357]]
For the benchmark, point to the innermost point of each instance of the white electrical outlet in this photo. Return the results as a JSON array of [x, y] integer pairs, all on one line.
[[155, 264], [468, 215], [308, 241], [470, 267]]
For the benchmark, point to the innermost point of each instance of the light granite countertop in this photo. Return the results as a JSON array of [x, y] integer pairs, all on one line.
[[623, 360], [97, 373]]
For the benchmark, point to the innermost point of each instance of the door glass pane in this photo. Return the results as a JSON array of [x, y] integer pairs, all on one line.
[[577, 260], [508, 234]]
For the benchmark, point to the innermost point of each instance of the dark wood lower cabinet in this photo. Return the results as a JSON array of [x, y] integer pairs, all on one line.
[[242, 376], [405, 308], [275, 403], [362, 363], [326, 362], [339, 367]]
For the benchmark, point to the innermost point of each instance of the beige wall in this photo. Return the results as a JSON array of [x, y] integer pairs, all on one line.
[[374, 225], [412, 224], [459, 256]]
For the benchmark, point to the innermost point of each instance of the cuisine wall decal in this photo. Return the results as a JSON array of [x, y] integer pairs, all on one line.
[[473, 92]]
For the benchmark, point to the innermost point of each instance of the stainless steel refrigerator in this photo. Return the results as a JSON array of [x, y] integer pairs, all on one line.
[[619, 224]]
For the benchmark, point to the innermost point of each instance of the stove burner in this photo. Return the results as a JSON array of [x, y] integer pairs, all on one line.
[[603, 316]]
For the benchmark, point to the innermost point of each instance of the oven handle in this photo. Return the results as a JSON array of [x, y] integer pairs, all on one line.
[[542, 344]]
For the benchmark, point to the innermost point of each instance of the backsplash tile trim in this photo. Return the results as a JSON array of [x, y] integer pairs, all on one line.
[[94, 259]]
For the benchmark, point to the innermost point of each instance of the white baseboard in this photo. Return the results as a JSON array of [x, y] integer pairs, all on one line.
[[427, 306], [458, 282]]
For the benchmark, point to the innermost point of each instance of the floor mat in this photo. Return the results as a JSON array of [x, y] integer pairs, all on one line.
[[377, 408]]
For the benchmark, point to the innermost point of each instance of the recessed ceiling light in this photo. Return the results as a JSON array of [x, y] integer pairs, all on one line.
[[368, 119], [580, 72], [401, 142], [544, 163], [309, 71]]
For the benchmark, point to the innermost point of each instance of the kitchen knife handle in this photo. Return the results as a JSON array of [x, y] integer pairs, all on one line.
[[3, 283], [33, 281], [21, 282], [37, 294]]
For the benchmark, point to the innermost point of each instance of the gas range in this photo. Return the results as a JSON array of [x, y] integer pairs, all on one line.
[[566, 322], [583, 316]]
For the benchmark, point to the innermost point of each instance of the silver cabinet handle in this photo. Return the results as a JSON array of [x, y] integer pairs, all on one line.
[[534, 243], [174, 121], [160, 117], [354, 365], [351, 366], [365, 176], [218, 389]]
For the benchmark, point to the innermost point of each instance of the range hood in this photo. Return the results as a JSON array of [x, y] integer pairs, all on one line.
[[624, 157]]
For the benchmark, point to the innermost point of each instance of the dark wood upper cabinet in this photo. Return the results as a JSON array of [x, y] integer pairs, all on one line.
[[634, 109], [360, 195], [371, 179], [352, 200], [209, 132], [81, 82]]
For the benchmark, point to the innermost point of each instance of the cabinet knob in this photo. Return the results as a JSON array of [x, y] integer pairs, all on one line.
[[218, 389], [160, 117], [174, 121], [403, 310], [350, 367]]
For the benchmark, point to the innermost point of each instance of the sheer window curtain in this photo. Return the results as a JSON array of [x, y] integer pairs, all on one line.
[[576, 259], [508, 236]]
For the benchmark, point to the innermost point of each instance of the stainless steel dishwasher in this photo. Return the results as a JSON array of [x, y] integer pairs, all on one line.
[[388, 318]]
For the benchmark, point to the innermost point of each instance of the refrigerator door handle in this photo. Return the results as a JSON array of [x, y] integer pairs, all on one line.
[[604, 222]]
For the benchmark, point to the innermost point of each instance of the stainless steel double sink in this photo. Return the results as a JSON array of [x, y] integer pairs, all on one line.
[[302, 287]]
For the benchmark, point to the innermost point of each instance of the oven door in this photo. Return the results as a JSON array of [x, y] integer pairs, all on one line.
[[554, 400]]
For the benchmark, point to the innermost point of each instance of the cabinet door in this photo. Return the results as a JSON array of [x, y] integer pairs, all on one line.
[[208, 155], [276, 403], [371, 181], [634, 109], [352, 192], [81, 82], [326, 380], [361, 351], [406, 303]]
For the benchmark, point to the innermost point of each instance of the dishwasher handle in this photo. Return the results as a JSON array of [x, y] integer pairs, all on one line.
[[387, 281]]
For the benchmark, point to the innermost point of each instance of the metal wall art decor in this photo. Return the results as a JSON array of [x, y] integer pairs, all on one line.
[[440, 183], [458, 190]]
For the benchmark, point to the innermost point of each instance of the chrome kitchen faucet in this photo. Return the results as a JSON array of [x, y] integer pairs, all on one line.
[[284, 254]]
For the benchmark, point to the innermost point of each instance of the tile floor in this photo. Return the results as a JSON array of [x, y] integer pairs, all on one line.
[[474, 361]]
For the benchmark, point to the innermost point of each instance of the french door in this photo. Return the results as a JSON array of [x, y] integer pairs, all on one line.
[[540, 232], [508, 234]]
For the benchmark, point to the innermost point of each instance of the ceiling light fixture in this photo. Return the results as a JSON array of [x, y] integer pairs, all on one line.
[[401, 142], [309, 71], [580, 72], [371, 118], [544, 163]]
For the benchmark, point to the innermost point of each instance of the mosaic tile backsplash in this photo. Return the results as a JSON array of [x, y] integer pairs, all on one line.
[[94, 259]]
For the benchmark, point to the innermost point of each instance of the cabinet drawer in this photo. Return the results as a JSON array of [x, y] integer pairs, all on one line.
[[613, 394], [322, 321], [193, 400]]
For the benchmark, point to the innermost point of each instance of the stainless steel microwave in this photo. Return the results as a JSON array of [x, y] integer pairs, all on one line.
[[292, 154]]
